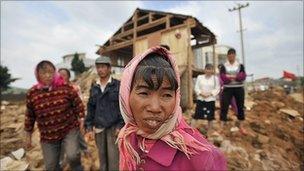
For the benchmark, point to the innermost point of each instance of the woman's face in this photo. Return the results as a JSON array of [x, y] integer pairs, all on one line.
[[64, 75], [209, 71], [231, 57], [151, 108], [46, 74]]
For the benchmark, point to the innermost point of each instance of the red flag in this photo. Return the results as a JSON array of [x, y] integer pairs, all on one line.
[[289, 75]]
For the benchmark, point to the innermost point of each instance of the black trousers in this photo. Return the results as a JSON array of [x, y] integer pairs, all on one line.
[[239, 94]]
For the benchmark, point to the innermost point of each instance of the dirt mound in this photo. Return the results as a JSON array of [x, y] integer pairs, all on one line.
[[275, 138]]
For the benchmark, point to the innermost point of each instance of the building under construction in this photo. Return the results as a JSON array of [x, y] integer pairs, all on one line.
[[147, 28]]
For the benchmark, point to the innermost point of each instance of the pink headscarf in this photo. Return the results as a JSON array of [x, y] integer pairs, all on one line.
[[171, 132], [57, 79]]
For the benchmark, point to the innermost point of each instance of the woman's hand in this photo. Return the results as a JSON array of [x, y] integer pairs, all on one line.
[[205, 95]]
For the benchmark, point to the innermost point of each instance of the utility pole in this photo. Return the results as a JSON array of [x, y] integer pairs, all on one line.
[[239, 7]]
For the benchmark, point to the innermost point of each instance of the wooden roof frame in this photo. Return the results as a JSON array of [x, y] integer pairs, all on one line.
[[142, 20]]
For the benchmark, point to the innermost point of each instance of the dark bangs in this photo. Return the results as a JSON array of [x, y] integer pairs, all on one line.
[[158, 66]]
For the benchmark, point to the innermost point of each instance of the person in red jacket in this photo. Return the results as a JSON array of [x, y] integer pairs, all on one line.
[[155, 135], [57, 109]]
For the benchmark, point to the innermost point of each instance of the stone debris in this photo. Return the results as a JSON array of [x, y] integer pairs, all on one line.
[[18, 154]]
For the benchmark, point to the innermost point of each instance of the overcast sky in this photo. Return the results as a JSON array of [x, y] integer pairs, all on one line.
[[32, 31]]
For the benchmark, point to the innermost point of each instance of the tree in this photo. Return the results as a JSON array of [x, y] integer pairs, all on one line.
[[77, 65], [5, 78]]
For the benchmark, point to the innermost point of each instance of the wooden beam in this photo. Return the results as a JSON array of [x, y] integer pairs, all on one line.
[[116, 46], [189, 68], [118, 38], [135, 25], [152, 24], [150, 17], [201, 45], [140, 28], [125, 33], [143, 17], [167, 21]]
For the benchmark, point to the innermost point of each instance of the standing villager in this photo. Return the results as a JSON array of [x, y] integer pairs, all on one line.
[[233, 75], [66, 75], [156, 136], [232, 103], [103, 114], [206, 88], [57, 109]]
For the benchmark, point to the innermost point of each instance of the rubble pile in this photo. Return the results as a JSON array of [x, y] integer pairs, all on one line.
[[274, 122]]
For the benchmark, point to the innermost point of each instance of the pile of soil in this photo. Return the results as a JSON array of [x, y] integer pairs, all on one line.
[[274, 141]]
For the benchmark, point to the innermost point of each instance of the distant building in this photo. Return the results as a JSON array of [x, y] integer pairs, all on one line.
[[67, 60]]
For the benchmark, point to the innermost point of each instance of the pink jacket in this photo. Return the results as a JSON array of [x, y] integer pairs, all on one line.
[[163, 157]]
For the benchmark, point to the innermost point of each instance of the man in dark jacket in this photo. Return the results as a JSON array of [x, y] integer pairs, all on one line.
[[103, 117]]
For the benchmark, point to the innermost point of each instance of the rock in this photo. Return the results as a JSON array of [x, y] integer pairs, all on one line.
[[263, 155], [290, 112], [18, 154], [16, 126], [268, 122], [228, 147], [258, 127], [297, 97], [216, 138], [249, 104], [234, 129], [5, 103], [257, 157], [256, 143], [18, 165], [5, 162], [8, 163], [278, 104], [263, 139], [280, 133]]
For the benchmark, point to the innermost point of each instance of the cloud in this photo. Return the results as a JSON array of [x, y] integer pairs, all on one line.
[[32, 31]]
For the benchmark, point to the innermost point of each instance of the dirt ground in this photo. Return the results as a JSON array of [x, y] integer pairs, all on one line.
[[275, 139]]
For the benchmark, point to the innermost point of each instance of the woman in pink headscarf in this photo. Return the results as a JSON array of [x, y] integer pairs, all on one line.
[[156, 136]]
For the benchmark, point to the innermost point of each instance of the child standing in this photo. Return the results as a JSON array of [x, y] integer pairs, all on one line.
[[206, 88]]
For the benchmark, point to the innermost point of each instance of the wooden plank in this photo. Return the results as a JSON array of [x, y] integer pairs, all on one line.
[[135, 25], [154, 39], [174, 28], [177, 46], [128, 23], [145, 26], [150, 25], [125, 33], [143, 17], [140, 46], [202, 45], [190, 62], [150, 17], [116, 46], [167, 21]]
